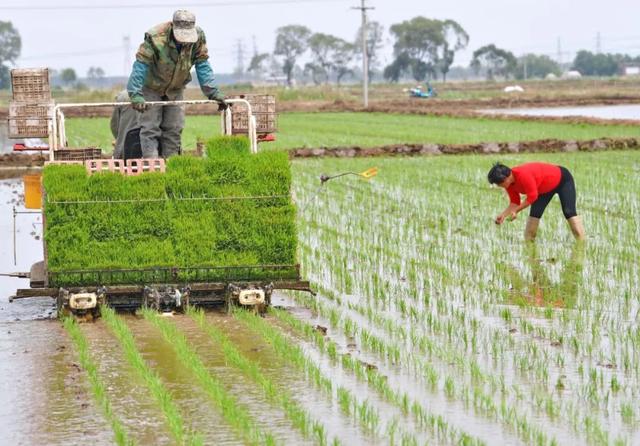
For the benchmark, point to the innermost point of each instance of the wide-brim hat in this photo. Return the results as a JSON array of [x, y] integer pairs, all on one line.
[[184, 27]]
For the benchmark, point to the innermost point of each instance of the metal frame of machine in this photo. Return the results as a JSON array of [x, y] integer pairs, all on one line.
[[164, 289]]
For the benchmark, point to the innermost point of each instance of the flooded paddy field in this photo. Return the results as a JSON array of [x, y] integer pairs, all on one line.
[[625, 111], [431, 325]]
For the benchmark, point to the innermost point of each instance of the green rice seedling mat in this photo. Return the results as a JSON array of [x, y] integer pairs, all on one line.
[[229, 209]]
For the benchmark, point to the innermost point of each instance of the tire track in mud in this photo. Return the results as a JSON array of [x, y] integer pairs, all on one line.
[[289, 419], [46, 393], [194, 406], [262, 352], [236, 399], [129, 399]]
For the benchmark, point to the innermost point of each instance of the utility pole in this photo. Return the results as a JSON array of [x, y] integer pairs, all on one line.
[[365, 56], [126, 46]]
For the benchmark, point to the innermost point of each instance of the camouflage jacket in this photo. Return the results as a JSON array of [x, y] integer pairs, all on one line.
[[169, 69]]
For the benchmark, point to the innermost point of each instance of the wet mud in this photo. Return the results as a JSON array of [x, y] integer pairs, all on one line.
[[539, 146], [45, 394], [198, 413]]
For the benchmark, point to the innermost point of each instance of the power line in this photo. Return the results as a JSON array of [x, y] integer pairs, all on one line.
[[76, 53], [161, 5]]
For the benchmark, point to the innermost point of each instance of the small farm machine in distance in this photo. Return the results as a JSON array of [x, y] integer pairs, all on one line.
[[421, 92], [34, 114]]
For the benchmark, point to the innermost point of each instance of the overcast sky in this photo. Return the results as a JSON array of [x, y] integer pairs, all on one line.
[[72, 33]]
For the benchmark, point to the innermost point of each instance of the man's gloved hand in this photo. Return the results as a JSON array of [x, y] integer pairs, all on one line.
[[219, 98], [138, 103]]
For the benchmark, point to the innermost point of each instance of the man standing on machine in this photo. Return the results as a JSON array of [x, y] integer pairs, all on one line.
[[160, 73]]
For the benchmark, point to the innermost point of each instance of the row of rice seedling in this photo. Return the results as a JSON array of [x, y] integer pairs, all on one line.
[[234, 205], [359, 409], [438, 280], [150, 378], [433, 348], [98, 387], [233, 413], [408, 405], [482, 401], [274, 393]]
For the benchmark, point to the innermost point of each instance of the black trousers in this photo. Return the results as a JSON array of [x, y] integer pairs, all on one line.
[[566, 190]]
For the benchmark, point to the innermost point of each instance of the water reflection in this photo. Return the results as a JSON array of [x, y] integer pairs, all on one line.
[[630, 111], [538, 289]]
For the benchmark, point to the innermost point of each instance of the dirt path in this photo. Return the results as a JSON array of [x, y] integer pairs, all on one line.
[[543, 145]]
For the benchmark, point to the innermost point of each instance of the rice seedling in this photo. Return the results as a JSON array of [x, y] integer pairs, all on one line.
[[426, 283], [232, 204], [233, 413], [150, 378], [367, 130], [273, 392], [360, 410], [98, 387], [379, 382]]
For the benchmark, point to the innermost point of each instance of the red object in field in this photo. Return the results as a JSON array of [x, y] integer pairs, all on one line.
[[19, 147], [104, 165], [142, 165], [268, 137]]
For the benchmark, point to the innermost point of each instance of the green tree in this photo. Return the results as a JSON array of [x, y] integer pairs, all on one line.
[[536, 66], [291, 43], [393, 72], [96, 74], [321, 46], [375, 33], [68, 76], [341, 59], [258, 64], [495, 61], [10, 46], [590, 64], [455, 38], [330, 55], [418, 41]]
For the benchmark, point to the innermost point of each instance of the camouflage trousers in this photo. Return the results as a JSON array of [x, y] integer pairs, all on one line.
[[161, 127]]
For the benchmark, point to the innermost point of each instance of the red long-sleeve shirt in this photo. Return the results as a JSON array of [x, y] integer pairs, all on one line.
[[533, 179]]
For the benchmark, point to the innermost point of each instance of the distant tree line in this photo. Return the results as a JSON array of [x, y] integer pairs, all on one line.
[[423, 49]]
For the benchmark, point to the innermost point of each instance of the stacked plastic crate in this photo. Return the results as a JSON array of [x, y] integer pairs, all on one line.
[[263, 107], [31, 109]]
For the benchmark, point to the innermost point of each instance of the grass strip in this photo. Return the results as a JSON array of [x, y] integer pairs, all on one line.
[[234, 414], [97, 385], [274, 393], [151, 379], [370, 130]]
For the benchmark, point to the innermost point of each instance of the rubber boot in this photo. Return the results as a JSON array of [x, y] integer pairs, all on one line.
[[531, 229], [575, 223]]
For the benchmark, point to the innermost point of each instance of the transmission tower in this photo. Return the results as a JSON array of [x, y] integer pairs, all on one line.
[[240, 57]]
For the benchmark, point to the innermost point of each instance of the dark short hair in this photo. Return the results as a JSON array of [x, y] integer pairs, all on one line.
[[498, 173]]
